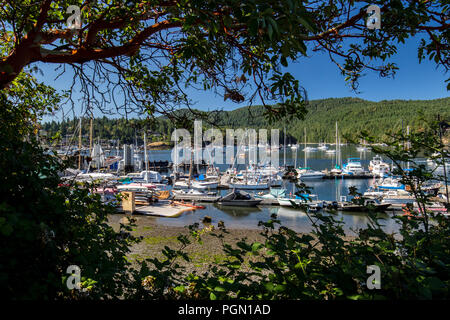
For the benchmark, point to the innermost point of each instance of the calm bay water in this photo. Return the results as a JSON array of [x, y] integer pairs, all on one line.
[[329, 190]]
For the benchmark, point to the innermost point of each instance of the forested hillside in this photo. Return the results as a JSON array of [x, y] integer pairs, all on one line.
[[352, 115]]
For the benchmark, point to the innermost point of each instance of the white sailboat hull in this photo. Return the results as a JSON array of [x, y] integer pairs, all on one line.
[[249, 186]]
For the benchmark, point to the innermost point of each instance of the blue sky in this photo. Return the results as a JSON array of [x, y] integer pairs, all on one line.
[[322, 79]]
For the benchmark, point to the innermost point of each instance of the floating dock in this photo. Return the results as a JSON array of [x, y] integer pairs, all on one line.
[[161, 208], [269, 202], [165, 210]]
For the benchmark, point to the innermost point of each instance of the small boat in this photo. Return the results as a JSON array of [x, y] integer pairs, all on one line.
[[182, 203], [310, 149], [310, 200], [205, 184], [181, 184], [336, 170], [361, 149], [238, 198]]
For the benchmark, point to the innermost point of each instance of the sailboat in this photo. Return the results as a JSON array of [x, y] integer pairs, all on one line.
[[309, 174], [308, 149], [337, 168], [323, 147], [306, 173], [252, 184], [363, 147]]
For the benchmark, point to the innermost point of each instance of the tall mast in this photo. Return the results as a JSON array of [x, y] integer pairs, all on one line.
[[145, 157], [443, 159], [79, 146], [305, 148], [337, 145], [191, 163], [407, 143], [176, 152], [91, 126], [295, 160], [284, 148]]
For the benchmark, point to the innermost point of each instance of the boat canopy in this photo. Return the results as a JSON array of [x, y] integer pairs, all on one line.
[[236, 195], [278, 192]]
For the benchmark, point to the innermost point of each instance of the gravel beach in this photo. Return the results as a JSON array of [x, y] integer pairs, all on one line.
[[156, 236]]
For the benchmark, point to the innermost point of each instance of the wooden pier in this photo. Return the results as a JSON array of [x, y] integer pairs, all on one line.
[[162, 208]]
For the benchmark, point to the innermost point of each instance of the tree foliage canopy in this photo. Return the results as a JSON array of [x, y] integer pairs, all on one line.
[[149, 51]]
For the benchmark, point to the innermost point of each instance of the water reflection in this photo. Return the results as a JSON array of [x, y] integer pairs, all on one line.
[[238, 212]]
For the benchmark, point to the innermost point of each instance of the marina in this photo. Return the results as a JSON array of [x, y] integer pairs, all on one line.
[[240, 194]]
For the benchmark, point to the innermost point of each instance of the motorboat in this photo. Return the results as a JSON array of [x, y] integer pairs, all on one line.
[[205, 183], [238, 198], [381, 170], [309, 200], [181, 184], [353, 167], [211, 184], [389, 183], [378, 167]]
